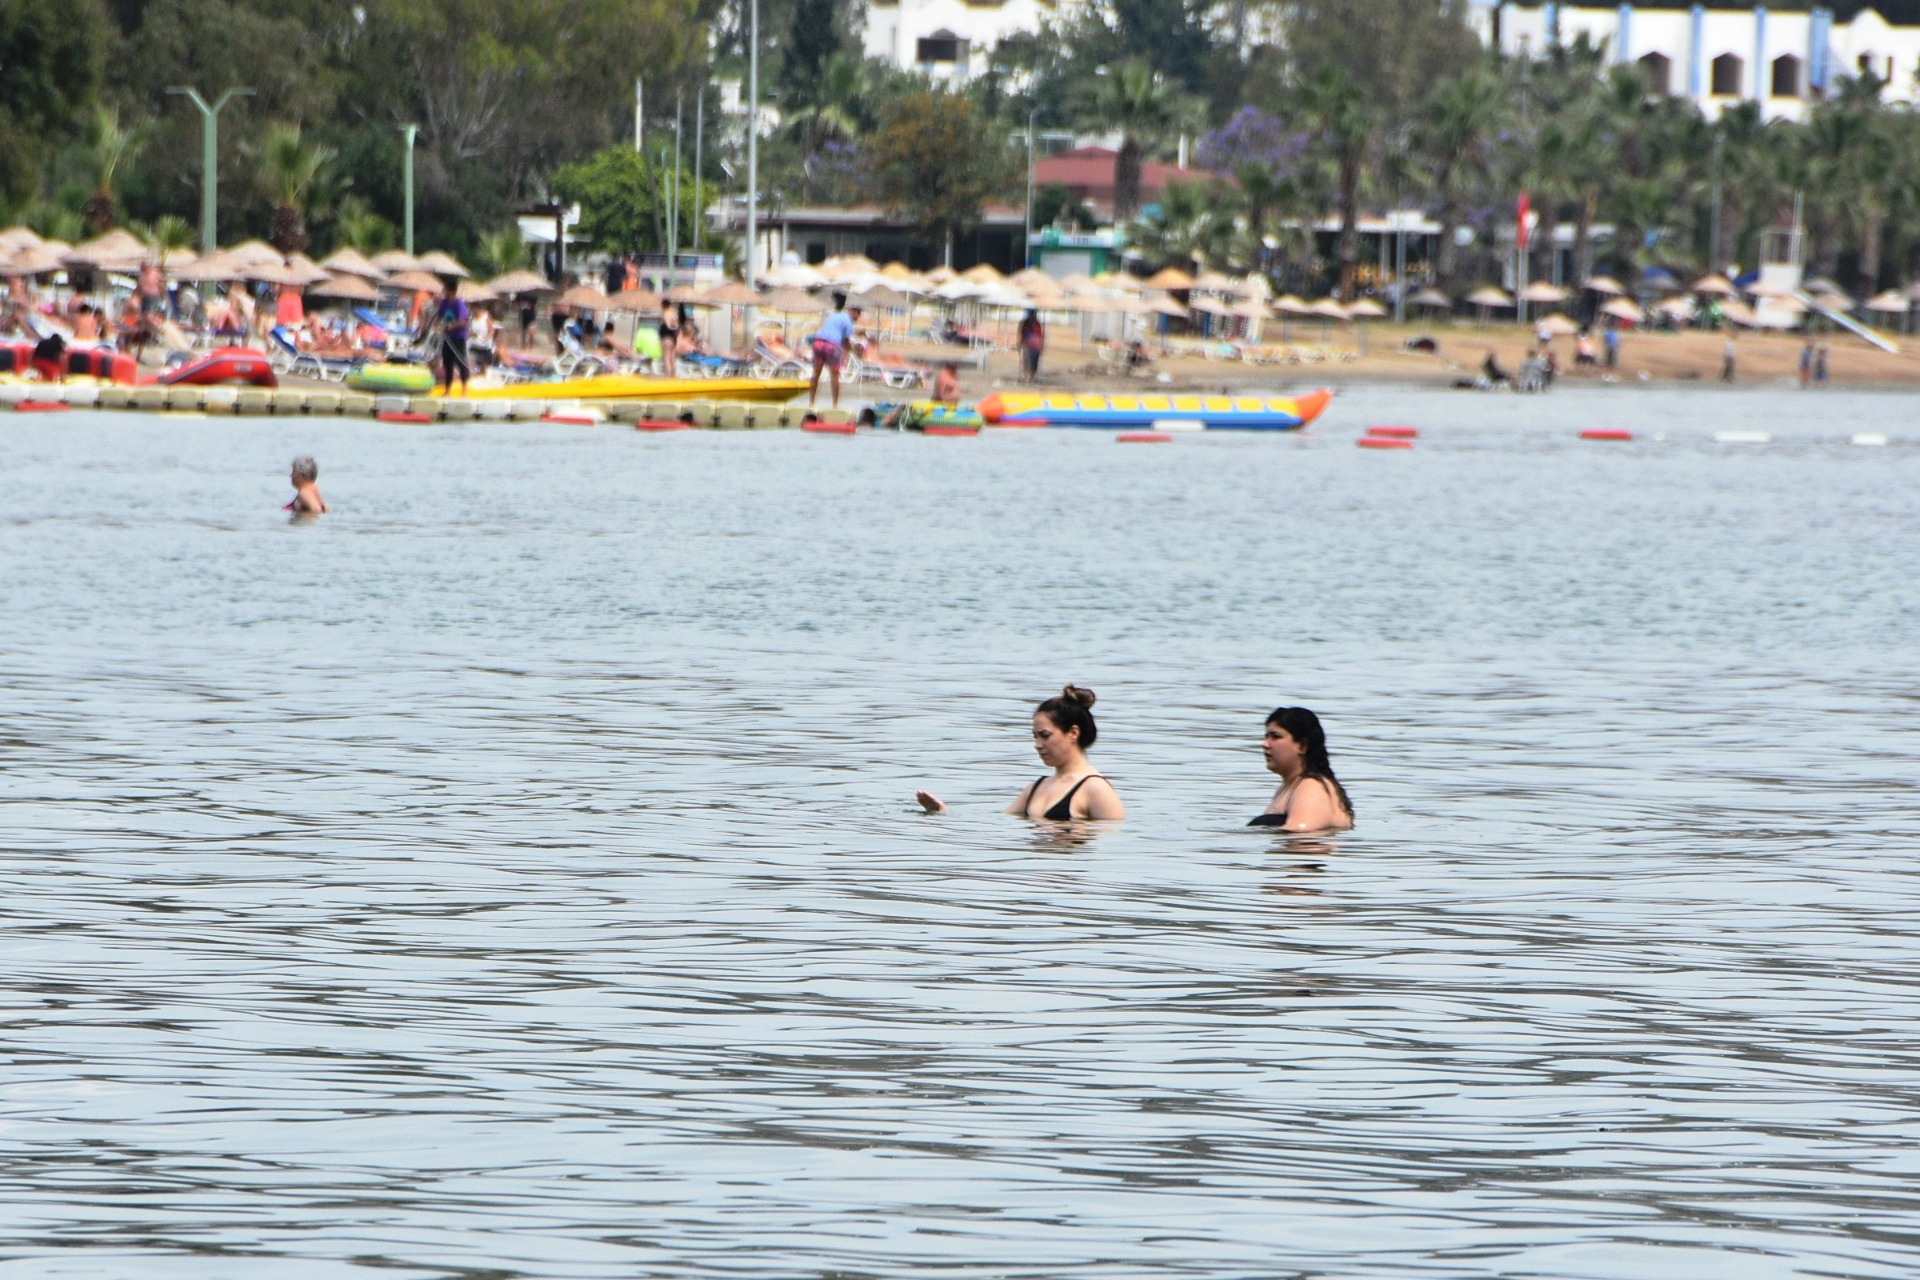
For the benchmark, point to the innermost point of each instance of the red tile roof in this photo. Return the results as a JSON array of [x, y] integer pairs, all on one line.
[[1088, 173]]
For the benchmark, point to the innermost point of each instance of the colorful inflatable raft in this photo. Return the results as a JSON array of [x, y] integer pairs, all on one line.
[[1238, 412], [632, 386]]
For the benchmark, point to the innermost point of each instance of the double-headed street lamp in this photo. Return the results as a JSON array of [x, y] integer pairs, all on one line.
[[209, 157]]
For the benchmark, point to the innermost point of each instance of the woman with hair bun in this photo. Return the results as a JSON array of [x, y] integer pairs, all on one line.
[[1063, 729], [1310, 798]]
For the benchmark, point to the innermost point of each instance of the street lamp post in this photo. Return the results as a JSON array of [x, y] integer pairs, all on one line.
[[1027, 235], [209, 157], [412, 131], [753, 143]]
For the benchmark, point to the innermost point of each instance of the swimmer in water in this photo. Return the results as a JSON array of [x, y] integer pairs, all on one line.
[[306, 488], [1310, 798], [1063, 730]]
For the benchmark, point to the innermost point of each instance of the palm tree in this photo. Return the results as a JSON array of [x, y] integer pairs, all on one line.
[[292, 166], [356, 224], [167, 235], [1192, 225], [109, 148], [1143, 109], [1342, 115], [1451, 142], [502, 251], [836, 109]]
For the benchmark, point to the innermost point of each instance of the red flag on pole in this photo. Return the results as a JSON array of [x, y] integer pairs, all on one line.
[[1520, 221]]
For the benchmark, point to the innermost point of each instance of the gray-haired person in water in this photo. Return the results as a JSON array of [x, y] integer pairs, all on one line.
[[1063, 730], [306, 488], [1310, 798]]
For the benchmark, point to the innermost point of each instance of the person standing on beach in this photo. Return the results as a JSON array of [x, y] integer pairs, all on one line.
[[1820, 365], [1033, 341], [1729, 359], [1806, 365], [450, 317], [830, 344], [1612, 340]]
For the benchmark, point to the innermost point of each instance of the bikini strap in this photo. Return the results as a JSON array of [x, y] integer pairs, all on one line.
[[1068, 798]]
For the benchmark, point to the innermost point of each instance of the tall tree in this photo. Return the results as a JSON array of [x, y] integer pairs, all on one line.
[[52, 50], [1452, 144], [935, 159], [110, 148], [1136, 102], [291, 167]]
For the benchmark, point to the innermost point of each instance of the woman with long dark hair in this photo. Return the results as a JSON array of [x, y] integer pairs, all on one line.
[[1310, 798], [1063, 730]]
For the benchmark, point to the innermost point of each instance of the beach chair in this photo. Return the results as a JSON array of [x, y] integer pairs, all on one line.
[[575, 361], [776, 360], [285, 355]]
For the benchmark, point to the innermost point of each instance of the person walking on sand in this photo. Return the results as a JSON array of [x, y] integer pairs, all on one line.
[[830, 344], [1806, 365], [1033, 341], [1611, 338], [1820, 365], [1729, 359]]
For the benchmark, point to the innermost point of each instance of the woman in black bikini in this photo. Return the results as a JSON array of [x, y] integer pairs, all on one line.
[[1310, 798], [1063, 729], [669, 337]]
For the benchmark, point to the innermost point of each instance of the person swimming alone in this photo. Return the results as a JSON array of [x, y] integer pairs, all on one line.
[[1310, 798], [1063, 730], [306, 488]]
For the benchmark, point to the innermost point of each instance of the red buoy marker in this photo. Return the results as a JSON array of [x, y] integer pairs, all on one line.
[[1144, 437], [1384, 442], [40, 406], [820, 428], [1606, 433], [401, 415], [659, 424], [1395, 433], [950, 431], [571, 419]]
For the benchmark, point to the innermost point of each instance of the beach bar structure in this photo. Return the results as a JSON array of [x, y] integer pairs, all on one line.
[[1783, 61]]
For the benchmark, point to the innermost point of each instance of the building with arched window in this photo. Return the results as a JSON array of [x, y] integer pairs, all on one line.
[[1782, 62]]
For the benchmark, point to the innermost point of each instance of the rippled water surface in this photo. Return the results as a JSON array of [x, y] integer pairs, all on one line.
[[516, 874]]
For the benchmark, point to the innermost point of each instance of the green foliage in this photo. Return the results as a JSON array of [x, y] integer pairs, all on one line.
[[293, 170], [52, 55], [1144, 108], [623, 200], [357, 225], [935, 159], [501, 251]]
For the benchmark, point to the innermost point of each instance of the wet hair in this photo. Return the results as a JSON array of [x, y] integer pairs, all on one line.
[[1070, 709], [1304, 728], [305, 468]]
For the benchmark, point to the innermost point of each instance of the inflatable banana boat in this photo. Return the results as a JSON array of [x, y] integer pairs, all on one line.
[[1215, 413]]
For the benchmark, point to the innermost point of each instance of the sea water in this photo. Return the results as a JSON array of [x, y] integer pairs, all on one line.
[[516, 873]]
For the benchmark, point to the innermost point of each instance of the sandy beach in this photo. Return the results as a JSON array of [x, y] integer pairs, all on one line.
[[1380, 356]]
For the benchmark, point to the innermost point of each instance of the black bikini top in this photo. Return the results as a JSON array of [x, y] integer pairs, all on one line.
[[1062, 809], [1269, 820]]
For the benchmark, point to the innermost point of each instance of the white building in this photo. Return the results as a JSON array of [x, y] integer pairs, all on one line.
[[949, 39], [1717, 57]]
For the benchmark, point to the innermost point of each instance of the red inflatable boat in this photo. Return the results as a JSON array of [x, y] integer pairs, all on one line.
[[75, 362], [224, 364]]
